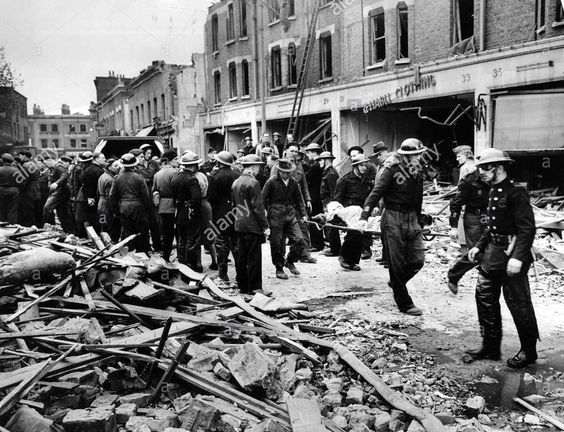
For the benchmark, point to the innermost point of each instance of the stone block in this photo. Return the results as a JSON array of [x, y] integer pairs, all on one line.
[[180, 403], [381, 421], [355, 395], [27, 419], [104, 400], [267, 426], [340, 421], [253, 369], [124, 412], [415, 426], [330, 401], [199, 416], [139, 399], [358, 418], [445, 417], [475, 405], [222, 372], [333, 384], [89, 420], [155, 424], [398, 421]]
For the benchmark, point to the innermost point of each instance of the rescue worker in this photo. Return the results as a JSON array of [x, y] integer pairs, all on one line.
[[209, 164], [164, 201], [504, 254], [82, 206], [472, 192], [354, 151], [29, 189], [248, 146], [9, 191], [251, 226], [401, 186], [285, 206], [278, 144], [76, 175], [129, 198], [219, 195], [188, 199], [266, 144], [148, 167], [465, 160], [329, 179], [87, 211], [59, 194], [298, 175], [43, 182], [264, 169], [313, 178], [352, 189], [206, 212], [106, 220], [381, 152]]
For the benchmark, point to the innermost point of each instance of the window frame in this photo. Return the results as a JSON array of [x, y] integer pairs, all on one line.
[[243, 30], [72, 128], [42, 127], [457, 35], [217, 87], [276, 67], [273, 7], [44, 143], [215, 33], [559, 12], [245, 79], [292, 58], [232, 73], [82, 128], [230, 23], [72, 142], [402, 9], [375, 40], [54, 127], [325, 56]]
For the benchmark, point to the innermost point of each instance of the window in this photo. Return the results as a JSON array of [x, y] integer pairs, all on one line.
[[217, 86], [377, 36], [83, 143], [245, 67], [54, 128], [276, 67], [559, 16], [142, 116], [403, 31], [137, 113], [541, 17], [156, 108], [292, 67], [230, 23], [163, 103], [243, 17], [290, 7], [463, 20], [56, 143], [43, 143], [149, 112], [131, 126], [72, 128], [325, 57], [82, 128], [73, 143], [42, 128], [273, 10], [232, 80], [215, 31]]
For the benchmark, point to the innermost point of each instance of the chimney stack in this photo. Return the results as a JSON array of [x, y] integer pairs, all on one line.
[[65, 109]]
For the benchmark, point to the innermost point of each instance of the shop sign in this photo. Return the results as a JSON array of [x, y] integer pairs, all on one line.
[[424, 82]]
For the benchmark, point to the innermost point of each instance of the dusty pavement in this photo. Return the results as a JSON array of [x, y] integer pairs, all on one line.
[[449, 324]]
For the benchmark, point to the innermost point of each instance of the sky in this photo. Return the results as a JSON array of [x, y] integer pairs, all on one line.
[[59, 46]]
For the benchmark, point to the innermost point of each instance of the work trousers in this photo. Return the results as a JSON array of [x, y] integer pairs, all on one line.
[[383, 237], [135, 220], [26, 209], [334, 239], [189, 245], [59, 202], [167, 233], [225, 242], [517, 295], [249, 262], [316, 234], [155, 230], [473, 230], [405, 253], [86, 215], [9, 204], [280, 229], [352, 247]]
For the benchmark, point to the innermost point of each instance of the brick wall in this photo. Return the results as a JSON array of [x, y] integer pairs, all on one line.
[[509, 22]]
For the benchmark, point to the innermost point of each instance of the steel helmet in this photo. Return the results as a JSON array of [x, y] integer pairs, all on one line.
[[359, 159], [129, 160], [251, 159], [189, 158], [313, 147], [224, 157], [411, 146], [325, 155], [492, 155]]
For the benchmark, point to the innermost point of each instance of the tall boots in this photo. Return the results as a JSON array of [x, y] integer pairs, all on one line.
[[527, 354], [490, 350]]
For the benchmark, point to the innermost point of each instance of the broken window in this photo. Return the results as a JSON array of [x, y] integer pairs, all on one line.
[[292, 69], [403, 31], [230, 23], [463, 20], [245, 67], [273, 10], [325, 58], [377, 36], [232, 80], [217, 86], [215, 31], [276, 67]]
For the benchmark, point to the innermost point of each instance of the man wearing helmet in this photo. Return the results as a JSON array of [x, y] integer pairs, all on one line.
[[504, 254], [401, 186]]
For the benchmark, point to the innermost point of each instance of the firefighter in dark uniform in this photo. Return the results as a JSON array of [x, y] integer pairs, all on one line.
[[504, 254], [188, 199], [329, 179], [285, 205], [313, 178], [59, 198], [251, 226], [9, 191], [82, 212], [219, 196], [472, 192], [89, 212], [401, 186], [129, 198], [30, 195]]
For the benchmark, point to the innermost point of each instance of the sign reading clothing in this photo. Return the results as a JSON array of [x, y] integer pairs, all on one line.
[[401, 92]]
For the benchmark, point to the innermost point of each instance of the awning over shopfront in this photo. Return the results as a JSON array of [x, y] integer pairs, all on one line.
[[529, 121]]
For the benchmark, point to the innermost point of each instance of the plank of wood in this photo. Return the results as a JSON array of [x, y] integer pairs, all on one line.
[[194, 298], [305, 415], [87, 295], [93, 235], [31, 334], [537, 411]]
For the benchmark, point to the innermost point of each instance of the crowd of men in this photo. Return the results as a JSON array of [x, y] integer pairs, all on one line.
[[291, 194]]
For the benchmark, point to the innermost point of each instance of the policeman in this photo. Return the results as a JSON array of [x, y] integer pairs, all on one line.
[[90, 190], [59, 194], [107, 222], [313, 178], [188, 196], [329, 179], [284, 204], [504, 254], [472, 192], [129, 198], [219, 196], [251, 226], [401, 186], [29, 189], [9, 191]]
